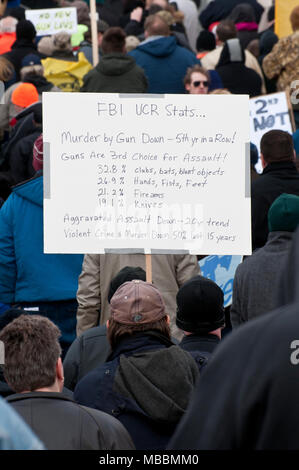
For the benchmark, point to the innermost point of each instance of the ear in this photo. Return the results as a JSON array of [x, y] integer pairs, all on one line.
[[295, 155], [264, 163], [107, 324], [59, 370], [187, 86], [168, 319]]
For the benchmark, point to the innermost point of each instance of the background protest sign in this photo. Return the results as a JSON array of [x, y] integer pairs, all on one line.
[[146, 172], [221, 269], [283, 10], [269, 112], [52, 20]]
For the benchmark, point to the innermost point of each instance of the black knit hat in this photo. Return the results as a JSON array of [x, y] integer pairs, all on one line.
[[25, 30], [126, 274], [200, 306]]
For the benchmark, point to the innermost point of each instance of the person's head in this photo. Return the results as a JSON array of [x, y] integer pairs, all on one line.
[[126, 274], [25, 30], [31, 65], [8, 24], [276, 146], [45, 45], [24, 95], [114, 40], [136, 306], [155, 26], [62, 42], [131, 43], [225, 30], [254, 155], [6, 69], [205, 41], [197, 80], [294, 18], [32, 354], [102, 27], [200, 307], [283, 215], [254, 47], [220, 91], [243, 13]]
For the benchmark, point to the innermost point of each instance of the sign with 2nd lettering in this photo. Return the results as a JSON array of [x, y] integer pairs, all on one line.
[[53, 20], [146, 172], [266, 113]]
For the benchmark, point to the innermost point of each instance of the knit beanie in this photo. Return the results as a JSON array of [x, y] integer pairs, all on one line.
[[200, 306], [25, 30], [24, 95], [38, 155], [283, 214], [128, 273]]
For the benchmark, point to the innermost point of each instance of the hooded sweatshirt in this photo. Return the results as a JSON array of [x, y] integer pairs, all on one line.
[[115, 73], [165, 63]]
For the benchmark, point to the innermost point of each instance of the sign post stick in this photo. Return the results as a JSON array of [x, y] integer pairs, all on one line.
[[94, 33], [148, 268]]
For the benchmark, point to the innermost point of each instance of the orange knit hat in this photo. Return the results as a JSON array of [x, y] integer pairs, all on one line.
[[24, 95]]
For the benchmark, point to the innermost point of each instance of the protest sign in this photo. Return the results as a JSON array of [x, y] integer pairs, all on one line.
[[221, 269], [269, 112], [150, 173], [53, 20]]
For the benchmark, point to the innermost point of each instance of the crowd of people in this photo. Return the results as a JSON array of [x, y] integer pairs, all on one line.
[[96, 357]]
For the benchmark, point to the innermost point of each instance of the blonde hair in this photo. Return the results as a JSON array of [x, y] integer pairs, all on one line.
[[6, 69], [220, 91]]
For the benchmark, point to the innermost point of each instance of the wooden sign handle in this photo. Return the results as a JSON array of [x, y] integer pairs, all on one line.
[[148, 268], [94, 33]]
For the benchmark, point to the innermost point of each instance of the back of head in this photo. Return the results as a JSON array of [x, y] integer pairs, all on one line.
[[225, 30], [114, 40], [277, 146], [294, 18], [25, 30], [283, 215], [31, 352], [155, 26], [62, 42], [8, 24], [205, 41], [126, 274], [24, 95], [136, 306], [45, 45], [6, 69], [243, 13], [200, 306], [38, 153], [254, 155]]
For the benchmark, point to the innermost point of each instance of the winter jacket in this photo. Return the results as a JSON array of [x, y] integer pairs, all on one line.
[[26, 273], [220, 9], [62, 424], [277, 178], [169, 273], [204, 344], [247, 398], [235, 76], [146, 383], [115, 73], [257, 279], [19, 49], [164, 62]]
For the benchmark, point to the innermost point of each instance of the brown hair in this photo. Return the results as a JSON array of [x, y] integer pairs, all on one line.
[[117, 330], [6, 69], [156, 26], [294, 18], [113, 40], [31, 352], [225, 30], [277, 146], [195, 68]]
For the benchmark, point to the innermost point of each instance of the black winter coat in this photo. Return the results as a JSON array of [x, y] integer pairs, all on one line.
[[62, 424], [19, 50], [276, 179], [220, 9]]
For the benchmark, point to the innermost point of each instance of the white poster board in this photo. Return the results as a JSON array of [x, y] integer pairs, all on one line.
[[267, 113], [146, 172], [53, 20]]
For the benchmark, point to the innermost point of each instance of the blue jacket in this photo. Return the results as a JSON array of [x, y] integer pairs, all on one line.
[[165, 64], [26, 273]]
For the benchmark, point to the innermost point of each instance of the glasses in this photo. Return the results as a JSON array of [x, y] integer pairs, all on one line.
[[199, 82]]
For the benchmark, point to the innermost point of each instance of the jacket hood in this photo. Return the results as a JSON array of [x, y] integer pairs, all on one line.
[[267, 41], [115, 64], [243, 13], [31, 190], [232, 52], [140, 378], [161, 47]]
